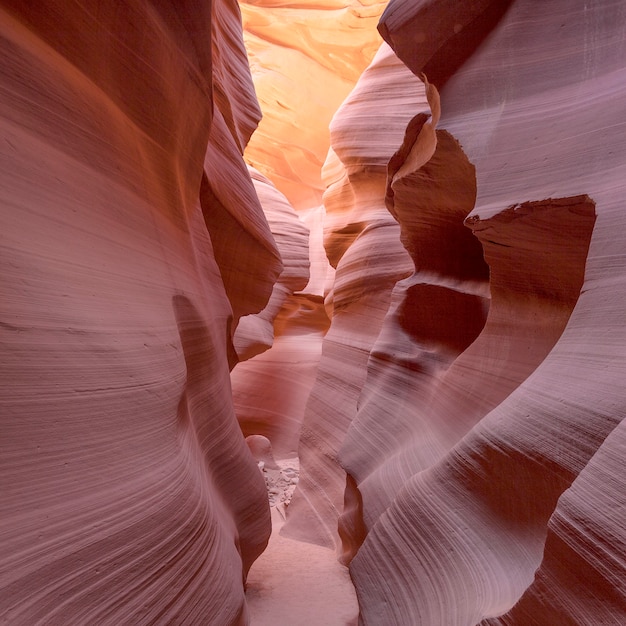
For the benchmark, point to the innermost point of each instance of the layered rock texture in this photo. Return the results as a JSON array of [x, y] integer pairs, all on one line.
[[271, 386], [454, 439], [132, 241], [413, 281], [362, 241], [304, 59], [492, 399]]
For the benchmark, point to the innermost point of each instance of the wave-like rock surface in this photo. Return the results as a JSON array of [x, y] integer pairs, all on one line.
[[581, 578], [362, 241], [304, 59], [462, 444], [129, 251], [255, 332], [491, 488]]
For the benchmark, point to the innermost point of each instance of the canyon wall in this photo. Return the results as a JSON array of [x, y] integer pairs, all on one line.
[[453, 444], [419, 292], [281, 344], [304, 59], [362, 241], [132, 241], [482, 478]]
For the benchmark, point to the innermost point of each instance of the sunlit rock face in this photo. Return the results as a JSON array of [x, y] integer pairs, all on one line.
[[129, 252], [305, 59], [483, 459]]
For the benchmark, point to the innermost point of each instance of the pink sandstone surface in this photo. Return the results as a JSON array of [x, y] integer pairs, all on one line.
[[478, 489], [362, 242], [132, 240], [281, 344], [452, 382]]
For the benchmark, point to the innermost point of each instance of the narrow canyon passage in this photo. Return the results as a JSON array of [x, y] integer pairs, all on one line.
[[299, 579], [312, 313], [301, 584]]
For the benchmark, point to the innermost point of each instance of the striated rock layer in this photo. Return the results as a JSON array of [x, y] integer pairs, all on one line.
[[304, 60], [129, 251], [462, 443], [362, 242], [483, 460], [255, 332]]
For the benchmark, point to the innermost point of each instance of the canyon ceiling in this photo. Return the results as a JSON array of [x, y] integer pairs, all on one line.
[[387, 240]]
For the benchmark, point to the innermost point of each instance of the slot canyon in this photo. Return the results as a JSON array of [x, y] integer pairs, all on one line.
[[313, 313]]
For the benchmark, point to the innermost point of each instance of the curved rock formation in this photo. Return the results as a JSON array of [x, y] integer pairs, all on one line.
[[304, 61], [362, 241], [497, 509], [436, 314], [437, 36], [270, 389], [460, 426], [581, 578], [128, 493], [255, 332]]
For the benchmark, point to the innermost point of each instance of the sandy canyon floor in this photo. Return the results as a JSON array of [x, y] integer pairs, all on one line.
[[295, 583]]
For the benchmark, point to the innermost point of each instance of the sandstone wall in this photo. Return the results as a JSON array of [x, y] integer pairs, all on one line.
[[132, 240], [305, 58], [478, 462]]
